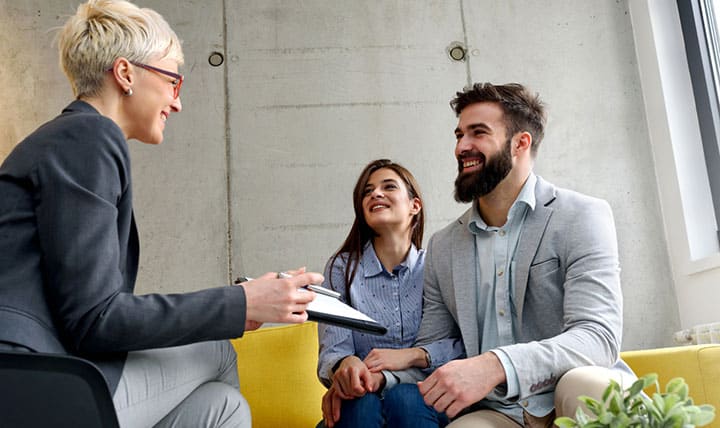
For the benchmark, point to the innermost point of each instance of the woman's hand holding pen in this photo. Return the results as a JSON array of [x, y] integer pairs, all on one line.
[[273, 299]]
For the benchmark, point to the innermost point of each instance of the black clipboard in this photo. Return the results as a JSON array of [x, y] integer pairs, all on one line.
[[329, 310]]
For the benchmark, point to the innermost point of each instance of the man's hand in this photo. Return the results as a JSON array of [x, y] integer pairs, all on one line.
[[394, 359], [377, 382], [280, 300], [460, 383]]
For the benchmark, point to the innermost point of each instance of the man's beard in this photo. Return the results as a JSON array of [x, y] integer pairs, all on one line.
[[473, 185]]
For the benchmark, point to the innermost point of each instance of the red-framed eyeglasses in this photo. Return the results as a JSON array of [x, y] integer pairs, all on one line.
[[176, 83]]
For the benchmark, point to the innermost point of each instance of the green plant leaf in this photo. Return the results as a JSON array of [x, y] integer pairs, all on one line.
[[649, 379], [606, 418], [593, 405], [707, 408], [581, 417], [673, 422], [649, 405], [636, 387], [612, 387], [565, 422], [704, 416], [672, 401], [659, 401], [633, 409], [621, 421], [616, 404], [677, 386]]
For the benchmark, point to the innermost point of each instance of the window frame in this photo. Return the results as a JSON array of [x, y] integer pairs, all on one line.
[[699, 35]]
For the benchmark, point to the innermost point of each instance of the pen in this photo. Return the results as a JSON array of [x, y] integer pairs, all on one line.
[[322, 290], [316, 288]]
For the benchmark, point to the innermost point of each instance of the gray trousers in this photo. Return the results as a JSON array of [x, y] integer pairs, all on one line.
[[186, 386]]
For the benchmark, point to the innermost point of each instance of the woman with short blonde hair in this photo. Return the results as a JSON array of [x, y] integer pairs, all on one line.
[[69, 246]]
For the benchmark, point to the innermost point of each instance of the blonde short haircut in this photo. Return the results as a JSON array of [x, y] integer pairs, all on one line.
[[102, 31]]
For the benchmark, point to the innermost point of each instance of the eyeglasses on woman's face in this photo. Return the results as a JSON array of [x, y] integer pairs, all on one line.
[[177, 78]]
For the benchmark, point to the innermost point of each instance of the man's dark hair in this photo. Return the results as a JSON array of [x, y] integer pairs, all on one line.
[[523, 111]]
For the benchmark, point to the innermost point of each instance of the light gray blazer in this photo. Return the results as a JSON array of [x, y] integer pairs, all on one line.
[[567, 294]]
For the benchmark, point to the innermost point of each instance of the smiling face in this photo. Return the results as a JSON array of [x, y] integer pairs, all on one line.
[[387, 203], [482, 151], [152, 102]]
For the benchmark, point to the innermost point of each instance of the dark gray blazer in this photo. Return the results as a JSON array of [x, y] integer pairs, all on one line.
[[567, 293], [69, 253]]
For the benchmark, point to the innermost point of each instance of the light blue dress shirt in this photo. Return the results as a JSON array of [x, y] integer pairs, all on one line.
[[394, 299], [495, 251]]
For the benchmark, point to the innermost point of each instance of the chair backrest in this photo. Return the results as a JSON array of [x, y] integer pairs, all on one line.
[[48, 390]]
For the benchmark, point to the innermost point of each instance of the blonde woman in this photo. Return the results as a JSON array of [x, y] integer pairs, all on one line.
[[69, 246]]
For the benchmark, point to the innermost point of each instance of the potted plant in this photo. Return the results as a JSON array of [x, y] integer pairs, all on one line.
[[632, 408]]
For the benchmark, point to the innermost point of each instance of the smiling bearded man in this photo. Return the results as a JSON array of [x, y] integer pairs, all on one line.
[[472, 185], [528, 277]]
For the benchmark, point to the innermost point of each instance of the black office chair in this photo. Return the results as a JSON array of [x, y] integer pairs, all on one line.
[[44, 390]]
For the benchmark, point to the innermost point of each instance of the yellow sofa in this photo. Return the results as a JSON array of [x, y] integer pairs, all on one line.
[[277, 373], [277, 369], [699, 365]]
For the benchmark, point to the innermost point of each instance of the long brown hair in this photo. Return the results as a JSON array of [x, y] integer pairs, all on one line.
[[360, 232]]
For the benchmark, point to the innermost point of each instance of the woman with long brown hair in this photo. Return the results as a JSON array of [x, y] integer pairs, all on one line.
[[379, 271]]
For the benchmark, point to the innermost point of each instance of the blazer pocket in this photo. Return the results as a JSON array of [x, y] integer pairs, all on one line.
[[544, 268]]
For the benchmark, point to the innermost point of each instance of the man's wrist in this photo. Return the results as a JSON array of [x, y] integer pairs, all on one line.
[[390, 380], [426, 356], [383, 381]]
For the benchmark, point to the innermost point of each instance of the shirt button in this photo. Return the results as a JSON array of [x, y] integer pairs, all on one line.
[[524, 403], [501, 312], [500, 272], [501, 232]]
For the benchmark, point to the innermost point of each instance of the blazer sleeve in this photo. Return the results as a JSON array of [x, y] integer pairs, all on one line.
[[80, 185], [438, 334]]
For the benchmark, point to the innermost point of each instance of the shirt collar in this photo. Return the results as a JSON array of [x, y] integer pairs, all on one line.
[[526, 197], [372, 266], [527, 193]]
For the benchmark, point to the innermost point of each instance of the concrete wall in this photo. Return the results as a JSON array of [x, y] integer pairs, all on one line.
[[257, 171]]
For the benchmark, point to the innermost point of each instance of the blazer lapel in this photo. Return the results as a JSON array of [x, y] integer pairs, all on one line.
[[464, 280], [530, 237]]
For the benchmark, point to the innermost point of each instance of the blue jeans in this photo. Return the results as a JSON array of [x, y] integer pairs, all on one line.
[[401, 407]]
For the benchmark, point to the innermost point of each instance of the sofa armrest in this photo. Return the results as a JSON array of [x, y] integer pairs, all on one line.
[[277, 368], [699, 365]]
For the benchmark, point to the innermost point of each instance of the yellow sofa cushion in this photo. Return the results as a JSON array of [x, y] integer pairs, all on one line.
[[699, 365], [277, 368]]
